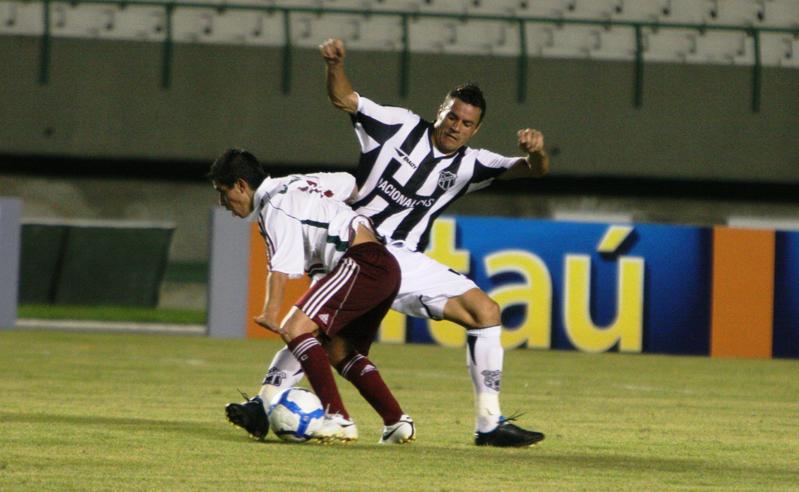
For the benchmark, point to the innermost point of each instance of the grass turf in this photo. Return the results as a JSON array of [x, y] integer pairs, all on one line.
[[144, 412]]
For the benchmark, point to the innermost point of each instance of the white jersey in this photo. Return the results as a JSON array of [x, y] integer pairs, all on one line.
[[305, 226], [404, 182], [339, 186]]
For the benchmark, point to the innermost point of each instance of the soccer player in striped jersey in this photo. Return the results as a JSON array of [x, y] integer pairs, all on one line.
[[409, 171], [307, 232]]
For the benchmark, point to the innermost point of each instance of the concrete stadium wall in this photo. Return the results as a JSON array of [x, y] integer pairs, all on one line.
[[184, 204], [105, 99], [187, 205]]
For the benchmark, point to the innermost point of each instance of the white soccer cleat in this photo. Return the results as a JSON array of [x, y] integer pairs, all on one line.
[[336, 428], [404, 431]]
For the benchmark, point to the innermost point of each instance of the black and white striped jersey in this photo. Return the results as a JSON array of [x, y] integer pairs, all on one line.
[[404, 182]]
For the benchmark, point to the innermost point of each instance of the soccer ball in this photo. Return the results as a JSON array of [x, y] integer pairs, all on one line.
[[295, 414]]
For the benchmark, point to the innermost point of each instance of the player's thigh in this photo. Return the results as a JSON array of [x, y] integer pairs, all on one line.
[[427, 285]]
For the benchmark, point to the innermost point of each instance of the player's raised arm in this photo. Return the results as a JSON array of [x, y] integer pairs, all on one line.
[[536, 164], [339, 89]]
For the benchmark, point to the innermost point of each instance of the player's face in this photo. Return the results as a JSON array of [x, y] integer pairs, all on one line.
[[236, 198], [456, 124]]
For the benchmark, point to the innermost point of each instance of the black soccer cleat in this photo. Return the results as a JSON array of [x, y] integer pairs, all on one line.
[[507, 435], [250, 416]]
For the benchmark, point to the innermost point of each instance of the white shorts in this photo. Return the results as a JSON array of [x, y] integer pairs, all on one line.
[[426, 284]]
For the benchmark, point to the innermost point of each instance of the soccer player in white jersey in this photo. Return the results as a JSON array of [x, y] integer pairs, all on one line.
[[305, 231], [409, 171]]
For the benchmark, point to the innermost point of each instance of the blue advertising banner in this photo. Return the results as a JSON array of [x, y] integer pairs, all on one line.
[[593, 287], [786, 295]]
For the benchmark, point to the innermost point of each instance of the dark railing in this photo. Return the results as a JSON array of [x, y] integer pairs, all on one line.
[[405, 54]]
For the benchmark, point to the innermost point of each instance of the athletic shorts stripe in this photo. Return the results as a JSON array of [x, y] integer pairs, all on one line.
[[312, 304], [330, 287]]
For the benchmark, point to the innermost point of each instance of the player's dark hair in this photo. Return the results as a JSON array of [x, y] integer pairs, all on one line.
[[234, 164], [470, 93]]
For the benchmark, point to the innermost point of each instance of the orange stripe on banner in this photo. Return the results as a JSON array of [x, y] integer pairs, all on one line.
[[743, 293], [257, 287]]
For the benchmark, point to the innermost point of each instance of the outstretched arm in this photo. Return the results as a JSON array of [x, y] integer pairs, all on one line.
[[536, 164], [275, 287], [339, 89]]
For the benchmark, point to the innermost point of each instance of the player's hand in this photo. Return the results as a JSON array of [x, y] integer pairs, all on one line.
[[263, 321], [333, 51], [531, 141]]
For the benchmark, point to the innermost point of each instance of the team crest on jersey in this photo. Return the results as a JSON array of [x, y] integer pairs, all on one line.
[[446, 179]]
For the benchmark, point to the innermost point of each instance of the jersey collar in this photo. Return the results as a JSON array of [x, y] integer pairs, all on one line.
[[268, 187]]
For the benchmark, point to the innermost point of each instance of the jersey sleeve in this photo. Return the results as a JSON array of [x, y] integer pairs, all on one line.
[[375, 124], [285, 242], [488, 166]]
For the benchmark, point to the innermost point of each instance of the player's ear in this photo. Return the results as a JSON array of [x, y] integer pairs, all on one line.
[[241, 185]]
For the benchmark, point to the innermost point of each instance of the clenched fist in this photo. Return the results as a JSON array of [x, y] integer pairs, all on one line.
[[333, 51], [530, 140]]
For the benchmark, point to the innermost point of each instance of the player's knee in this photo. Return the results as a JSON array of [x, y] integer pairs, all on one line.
[[336, 357], [487, 312], [296, 325], [337, 350]]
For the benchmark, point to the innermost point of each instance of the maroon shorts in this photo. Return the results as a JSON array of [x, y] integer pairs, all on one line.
[[355, 296]]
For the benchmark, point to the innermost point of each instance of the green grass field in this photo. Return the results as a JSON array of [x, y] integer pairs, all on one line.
[[145, 412]]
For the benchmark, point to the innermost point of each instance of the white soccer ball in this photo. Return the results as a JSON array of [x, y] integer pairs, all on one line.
[[295, 414]]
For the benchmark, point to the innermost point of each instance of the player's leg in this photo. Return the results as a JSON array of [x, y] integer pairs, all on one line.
[[480, 315], [475, 311], [432, 290], [299, 335], [357, 321], [354, 366], [284, 372]]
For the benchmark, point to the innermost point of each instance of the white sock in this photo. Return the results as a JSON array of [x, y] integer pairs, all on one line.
[[484, 355], [284, 372]]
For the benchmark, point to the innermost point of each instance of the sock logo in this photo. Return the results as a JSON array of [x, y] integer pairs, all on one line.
[[274, 377], [324, 317], [369, 368], [492, 379]]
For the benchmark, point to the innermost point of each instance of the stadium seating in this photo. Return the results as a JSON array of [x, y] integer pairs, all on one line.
[[371, 29]]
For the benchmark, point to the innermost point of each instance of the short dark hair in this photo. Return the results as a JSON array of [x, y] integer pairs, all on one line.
[[470, 93], [236, 164]]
